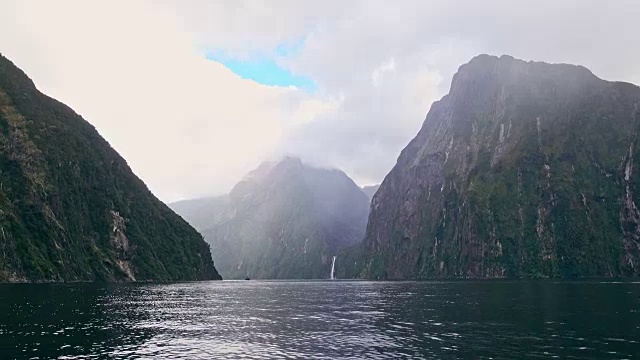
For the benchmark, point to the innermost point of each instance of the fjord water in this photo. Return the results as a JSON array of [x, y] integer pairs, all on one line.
[[321, 320]]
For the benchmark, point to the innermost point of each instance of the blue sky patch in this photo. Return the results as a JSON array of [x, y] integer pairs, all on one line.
[[264, 69]]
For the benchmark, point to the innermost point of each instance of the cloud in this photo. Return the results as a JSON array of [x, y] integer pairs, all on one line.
[[186, 125], [190, 126], [389, 63]]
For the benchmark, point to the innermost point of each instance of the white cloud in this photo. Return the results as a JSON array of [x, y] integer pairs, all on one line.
[[387, 67], [186, 125], [189, 126]]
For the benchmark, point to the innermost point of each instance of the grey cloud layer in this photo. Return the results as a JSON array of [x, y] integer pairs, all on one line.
[[426, 42], [378, 66]]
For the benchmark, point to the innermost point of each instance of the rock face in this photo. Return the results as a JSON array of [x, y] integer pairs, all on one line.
[[286, 220], [71, 209], [201, 213], [525, 169]]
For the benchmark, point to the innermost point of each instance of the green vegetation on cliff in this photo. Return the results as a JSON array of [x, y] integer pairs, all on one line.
[[524, 169], [71, 209]]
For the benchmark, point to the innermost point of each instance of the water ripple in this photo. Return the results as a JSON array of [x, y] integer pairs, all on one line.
[[321, 320]]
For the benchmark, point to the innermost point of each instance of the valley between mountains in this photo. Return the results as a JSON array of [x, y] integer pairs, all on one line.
[[524, 169]]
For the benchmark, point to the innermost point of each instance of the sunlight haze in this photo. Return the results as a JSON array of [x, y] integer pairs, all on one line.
[[193, 94]]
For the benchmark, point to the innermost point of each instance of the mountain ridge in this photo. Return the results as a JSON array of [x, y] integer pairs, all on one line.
[[524, 169], [286, 219], [71, 209]]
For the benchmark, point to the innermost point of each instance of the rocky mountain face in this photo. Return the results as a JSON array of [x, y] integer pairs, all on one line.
[[285, 220], [71, 209], [525, 169], [201, 213]]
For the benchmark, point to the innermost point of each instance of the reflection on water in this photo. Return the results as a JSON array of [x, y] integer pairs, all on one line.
[[321, 320]]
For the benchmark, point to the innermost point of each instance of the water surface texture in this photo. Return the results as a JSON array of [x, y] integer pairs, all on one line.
[[321, 320]]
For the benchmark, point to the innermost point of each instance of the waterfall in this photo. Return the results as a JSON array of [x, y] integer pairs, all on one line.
[[333, 267]]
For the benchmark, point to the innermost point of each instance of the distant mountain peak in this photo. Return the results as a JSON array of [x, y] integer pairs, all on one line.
[[509, 70], [286, 220], [291, 160]]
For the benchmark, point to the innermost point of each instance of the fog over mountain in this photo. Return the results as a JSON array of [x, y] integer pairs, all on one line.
[[524, 169], [284, 219], [319, 179], [217, 87], [370, 190], [201, 213]]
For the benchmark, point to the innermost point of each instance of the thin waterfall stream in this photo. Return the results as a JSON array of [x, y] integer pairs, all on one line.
[[333, 268]]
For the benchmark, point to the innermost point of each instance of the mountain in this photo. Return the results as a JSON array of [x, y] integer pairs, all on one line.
[[286, 220], [370, 190], [201, 213], [525, 169], [71, 209]]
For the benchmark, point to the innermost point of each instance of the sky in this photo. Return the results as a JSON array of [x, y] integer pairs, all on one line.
[[194, 94]]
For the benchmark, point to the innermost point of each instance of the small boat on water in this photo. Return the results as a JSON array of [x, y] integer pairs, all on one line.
[[247, 278]]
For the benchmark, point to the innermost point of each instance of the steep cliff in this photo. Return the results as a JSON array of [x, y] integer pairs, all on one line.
[[525, 169], [71, 209], [286, 220]]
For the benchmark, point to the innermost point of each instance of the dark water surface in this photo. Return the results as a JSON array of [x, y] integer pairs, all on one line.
[[322, 320]]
